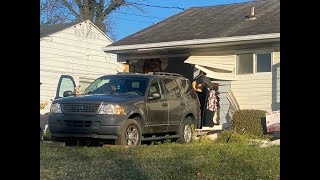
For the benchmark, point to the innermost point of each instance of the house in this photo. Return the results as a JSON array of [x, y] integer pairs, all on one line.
[[237, 45], [73, 49]]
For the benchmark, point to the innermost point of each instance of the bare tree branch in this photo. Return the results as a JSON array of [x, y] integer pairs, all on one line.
[[98, 11], [114, 4], [72, 10]]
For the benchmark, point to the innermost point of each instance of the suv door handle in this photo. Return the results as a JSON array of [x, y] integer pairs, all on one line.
[[164, 104]]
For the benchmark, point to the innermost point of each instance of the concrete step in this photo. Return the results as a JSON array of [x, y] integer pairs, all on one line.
[[214, 128]]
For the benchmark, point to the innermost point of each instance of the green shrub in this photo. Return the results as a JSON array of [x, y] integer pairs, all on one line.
[[204, 139], [248, 122], [230, 136], [224, 136]]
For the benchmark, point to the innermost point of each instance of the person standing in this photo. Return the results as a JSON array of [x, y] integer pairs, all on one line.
[[208, 98]]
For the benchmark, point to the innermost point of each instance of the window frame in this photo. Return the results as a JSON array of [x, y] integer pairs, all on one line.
[[162, 88], [255, 62], [59, 84], [254, 54]]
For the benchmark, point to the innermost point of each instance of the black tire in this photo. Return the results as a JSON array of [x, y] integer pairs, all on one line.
[[71, 142], [57, 139], [130, 134], [186, 131], [82, 143]]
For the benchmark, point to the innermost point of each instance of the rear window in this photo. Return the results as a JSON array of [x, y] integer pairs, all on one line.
[[185, 85], [172, 88]]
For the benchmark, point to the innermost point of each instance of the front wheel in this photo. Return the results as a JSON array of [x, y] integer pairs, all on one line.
[[186, 132], [130, 134], [71, 142]]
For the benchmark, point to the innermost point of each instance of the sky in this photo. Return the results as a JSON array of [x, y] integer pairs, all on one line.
[[127, 21]]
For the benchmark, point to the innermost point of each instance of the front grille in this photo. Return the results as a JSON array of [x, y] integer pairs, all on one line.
[[70, 123], [80, 108]]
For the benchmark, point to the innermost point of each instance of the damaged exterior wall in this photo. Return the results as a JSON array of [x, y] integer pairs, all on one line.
[[253, 91], [259, 91]]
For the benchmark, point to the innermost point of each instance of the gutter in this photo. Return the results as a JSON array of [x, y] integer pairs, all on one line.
[[141, 47]]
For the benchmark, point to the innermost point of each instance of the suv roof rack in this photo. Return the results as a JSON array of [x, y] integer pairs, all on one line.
[[128, 73], [165, 74]]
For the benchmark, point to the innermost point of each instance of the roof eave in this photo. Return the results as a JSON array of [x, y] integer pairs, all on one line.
[[190, 42]]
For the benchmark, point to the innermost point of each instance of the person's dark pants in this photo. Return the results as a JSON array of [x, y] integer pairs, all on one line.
[[202, 99], [208, 118]]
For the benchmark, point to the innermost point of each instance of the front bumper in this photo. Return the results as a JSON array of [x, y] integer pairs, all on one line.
[[86, 126]]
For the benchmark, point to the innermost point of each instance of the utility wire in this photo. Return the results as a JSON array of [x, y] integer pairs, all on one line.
[[137, 20], [167, 7], [139, 15]]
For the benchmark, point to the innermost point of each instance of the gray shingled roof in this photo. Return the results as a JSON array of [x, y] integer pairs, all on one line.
[[46, 30], [211, 22]]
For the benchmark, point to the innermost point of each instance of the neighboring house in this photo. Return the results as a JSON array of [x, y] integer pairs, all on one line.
[[73, 49], [237, 45]]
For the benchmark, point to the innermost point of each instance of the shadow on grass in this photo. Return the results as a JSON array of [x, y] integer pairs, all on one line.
[[167, 161], [92, 163]]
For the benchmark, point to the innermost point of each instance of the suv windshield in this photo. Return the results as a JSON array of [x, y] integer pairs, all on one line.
[[118, 85]]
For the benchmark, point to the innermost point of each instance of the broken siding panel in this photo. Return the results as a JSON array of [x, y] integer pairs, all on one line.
[[221, 62], [218, 67], [218, 62], [216, 75]]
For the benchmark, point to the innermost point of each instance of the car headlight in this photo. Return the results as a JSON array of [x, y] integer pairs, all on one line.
[[111, 109], [55, 108]]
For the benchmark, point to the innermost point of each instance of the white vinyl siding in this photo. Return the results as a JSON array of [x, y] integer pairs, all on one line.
[[69, 53], [255, 91]]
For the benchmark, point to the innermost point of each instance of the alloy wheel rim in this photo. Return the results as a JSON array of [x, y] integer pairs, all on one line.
[[187, 133], [132, 136]]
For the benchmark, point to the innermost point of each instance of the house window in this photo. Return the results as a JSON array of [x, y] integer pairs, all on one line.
[[253, 63], [245, 64], [263, 62]]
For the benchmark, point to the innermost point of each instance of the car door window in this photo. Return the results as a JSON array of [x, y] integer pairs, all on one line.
[[172, 88], [185, 86], [66, 83], [157, 87]]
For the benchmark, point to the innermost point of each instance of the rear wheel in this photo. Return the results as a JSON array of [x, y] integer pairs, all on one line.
[[130, 134], [90, 143], [71, 142], [186, 131]]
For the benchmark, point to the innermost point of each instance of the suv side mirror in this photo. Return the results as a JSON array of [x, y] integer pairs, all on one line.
[[154, 95], [67, 93]]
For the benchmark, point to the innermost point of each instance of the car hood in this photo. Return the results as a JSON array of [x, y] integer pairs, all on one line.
[[115, 98]]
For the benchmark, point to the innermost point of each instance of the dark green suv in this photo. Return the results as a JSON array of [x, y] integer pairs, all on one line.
[[125, 108]]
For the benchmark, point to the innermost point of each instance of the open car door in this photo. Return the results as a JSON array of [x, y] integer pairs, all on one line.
[[66, 83]]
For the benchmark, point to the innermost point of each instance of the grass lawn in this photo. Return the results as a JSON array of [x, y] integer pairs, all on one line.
[[164, 161]]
